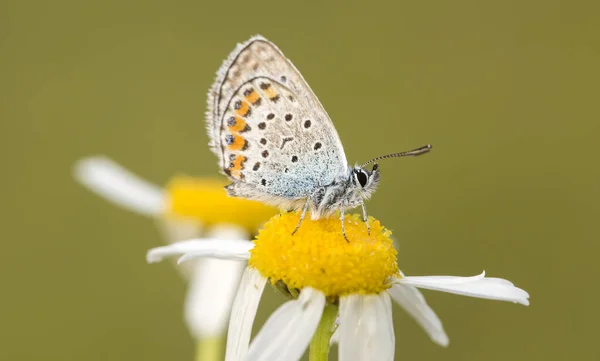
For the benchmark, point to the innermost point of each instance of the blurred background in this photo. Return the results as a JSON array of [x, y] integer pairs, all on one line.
[[507, 92]]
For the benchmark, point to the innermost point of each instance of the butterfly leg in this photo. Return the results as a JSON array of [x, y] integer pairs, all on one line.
[[342, 218], [302, 215], [365, 218]]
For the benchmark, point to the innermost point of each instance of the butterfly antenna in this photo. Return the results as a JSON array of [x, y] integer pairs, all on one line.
[[410, 153]]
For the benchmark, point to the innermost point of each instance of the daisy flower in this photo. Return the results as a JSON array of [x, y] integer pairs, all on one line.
[[187, 207], [330, 282]]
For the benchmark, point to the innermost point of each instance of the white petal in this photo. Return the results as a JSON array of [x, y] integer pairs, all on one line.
[[388, 337], [366, 330], [449, 280], [115, 183], [243, 313], [414, 303], [210, 294], [287, 333], [212, 287], [476, 286], [235, 249], [175, 229]]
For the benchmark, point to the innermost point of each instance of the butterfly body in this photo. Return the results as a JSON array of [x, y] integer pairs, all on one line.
[[323, 199]]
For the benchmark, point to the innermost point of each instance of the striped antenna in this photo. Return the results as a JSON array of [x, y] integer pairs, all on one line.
[[410, 153]]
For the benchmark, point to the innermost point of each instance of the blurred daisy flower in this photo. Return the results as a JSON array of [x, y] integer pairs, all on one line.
[[186, 208], [331, 282]]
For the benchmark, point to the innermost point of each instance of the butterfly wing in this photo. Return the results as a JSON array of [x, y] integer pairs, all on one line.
[[270, 132]]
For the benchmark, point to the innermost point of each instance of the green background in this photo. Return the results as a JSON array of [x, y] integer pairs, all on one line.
[[507, 92]]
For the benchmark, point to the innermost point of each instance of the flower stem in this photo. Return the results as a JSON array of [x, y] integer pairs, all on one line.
[[209, 349], [319, 345]]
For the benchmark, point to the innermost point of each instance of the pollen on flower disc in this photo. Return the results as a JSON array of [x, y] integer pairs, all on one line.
[[318, 256]]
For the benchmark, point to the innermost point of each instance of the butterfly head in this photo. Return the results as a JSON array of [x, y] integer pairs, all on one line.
[[365, 181]]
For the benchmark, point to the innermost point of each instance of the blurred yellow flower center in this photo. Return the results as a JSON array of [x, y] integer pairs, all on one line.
[[318, 256], [206, 200]]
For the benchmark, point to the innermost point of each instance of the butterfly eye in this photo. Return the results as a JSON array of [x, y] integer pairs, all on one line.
[[362, 178]]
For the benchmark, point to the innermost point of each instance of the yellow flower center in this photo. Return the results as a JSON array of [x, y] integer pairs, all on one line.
[[206, 200], [318, 256]]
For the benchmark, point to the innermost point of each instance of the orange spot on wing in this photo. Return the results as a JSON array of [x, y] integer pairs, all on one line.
[[270, 92], [238, 143], [243, 110], [253, 97], [239, 125], [237, 165]]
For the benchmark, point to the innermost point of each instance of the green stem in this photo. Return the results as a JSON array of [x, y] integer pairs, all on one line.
[[209, 349], [319, 345]]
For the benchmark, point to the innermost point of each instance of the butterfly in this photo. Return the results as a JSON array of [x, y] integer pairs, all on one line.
[[275, 141]]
